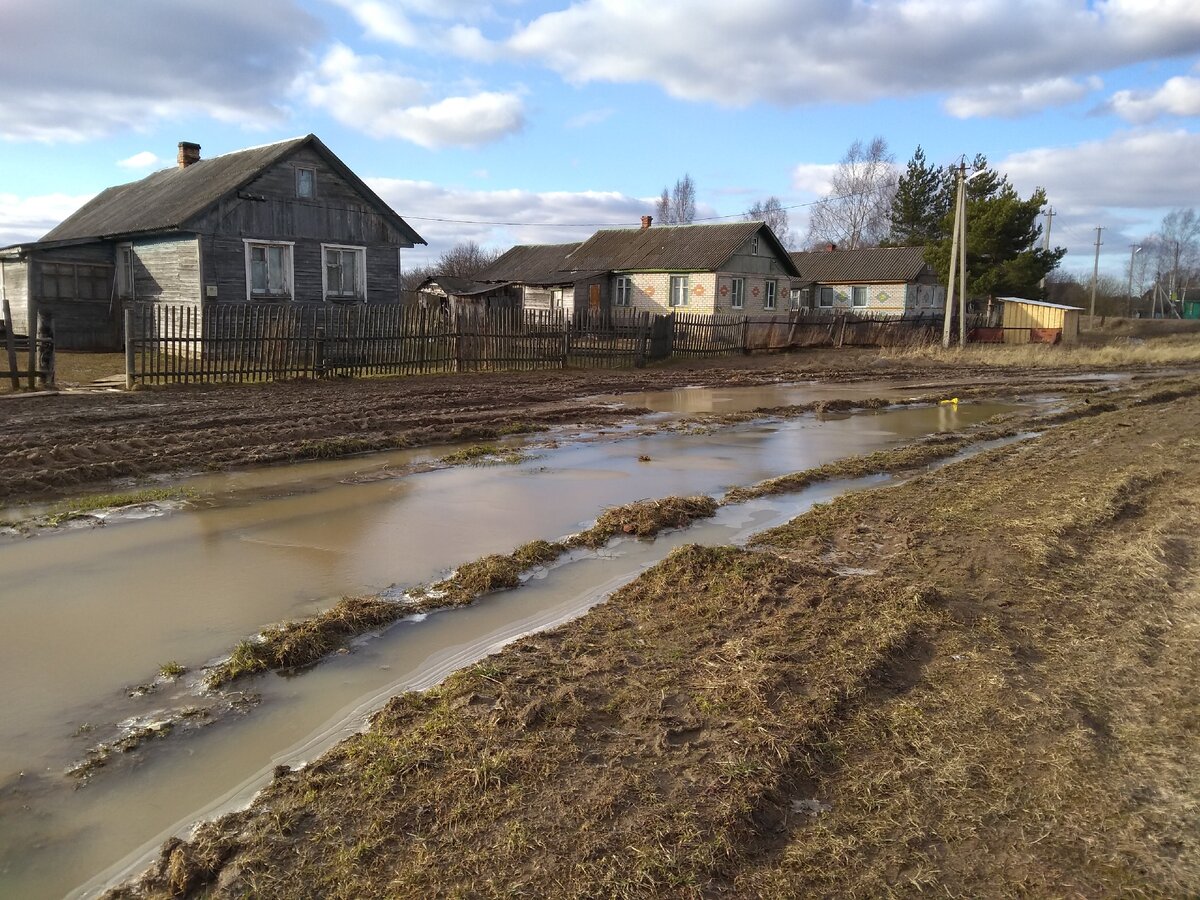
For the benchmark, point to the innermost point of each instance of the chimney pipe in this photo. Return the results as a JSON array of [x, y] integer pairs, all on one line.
[[188, 153], [646, 221]]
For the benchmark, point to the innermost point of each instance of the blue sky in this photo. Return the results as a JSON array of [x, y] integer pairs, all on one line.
[[574, 114]]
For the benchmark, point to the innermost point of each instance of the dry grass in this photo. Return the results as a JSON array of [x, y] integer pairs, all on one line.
[[645, 518], [1169, 350]]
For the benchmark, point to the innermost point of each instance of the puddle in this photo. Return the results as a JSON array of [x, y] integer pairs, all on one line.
[[694, 400], [91, 613]]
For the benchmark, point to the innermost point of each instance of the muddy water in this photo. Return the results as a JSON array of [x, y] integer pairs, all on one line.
[[694, 400], [91, 612]]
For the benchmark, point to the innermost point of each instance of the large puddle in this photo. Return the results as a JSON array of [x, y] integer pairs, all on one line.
[[91, 612]]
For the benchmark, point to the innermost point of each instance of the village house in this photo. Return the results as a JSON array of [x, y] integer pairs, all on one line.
[[284, 223], [879, 280], [737, 267], [453, 293]]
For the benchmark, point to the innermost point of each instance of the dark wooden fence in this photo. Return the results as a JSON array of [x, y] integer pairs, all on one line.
[[262, 342]]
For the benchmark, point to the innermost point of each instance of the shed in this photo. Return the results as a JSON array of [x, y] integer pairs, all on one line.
[[1039, 322]]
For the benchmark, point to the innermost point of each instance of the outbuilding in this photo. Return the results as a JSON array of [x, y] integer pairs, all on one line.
[[1038, 322]]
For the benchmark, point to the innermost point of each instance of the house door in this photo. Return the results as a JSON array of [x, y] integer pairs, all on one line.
[[593, 298]]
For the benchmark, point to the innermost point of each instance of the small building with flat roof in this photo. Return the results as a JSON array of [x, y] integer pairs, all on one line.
[[1038, 322]]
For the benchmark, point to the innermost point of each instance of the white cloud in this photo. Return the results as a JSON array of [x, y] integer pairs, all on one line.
[[420, 23], [589, 117], [552, 214], [1179, 96], [795, 52], [24, 219], [143, 160], [1012, 101], [77, 71], [814, 178], [365, 94]]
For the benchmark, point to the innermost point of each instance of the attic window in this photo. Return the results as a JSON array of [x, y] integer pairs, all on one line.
[[754, 246], [306, 184]]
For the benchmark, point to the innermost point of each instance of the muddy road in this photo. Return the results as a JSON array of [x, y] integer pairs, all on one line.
[[982, 682], [77, 442]]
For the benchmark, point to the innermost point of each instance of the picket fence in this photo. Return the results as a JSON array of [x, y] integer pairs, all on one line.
[[179, 343]]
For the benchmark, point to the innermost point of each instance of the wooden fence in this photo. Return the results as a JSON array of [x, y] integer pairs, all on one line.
[[261, 342]]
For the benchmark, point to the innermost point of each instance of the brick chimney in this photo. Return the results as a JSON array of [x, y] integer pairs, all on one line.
[[188, 153], [829, 248], [647, 221]]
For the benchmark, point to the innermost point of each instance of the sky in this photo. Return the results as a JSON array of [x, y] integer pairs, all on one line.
[[527, 121]]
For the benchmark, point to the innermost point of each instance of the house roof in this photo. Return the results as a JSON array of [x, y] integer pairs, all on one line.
[[168, 199], [1037, 303], [532, 264], [460, 286], [873, 265], [685, 248]]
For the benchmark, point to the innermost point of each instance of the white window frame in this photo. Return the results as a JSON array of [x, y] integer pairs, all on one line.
[[313, 172], [737, 293], [769, 294], [794, 298], [623, 291], [360, 253], [754, 246], [289, 264], [856, 291], [126, 272], [825, 292], [680, 288]]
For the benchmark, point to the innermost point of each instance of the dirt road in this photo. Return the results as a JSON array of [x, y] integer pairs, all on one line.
[[983, 682], [66, 444]]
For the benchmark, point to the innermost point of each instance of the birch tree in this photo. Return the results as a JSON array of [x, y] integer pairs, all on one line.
[[857, 211], [678, 206]]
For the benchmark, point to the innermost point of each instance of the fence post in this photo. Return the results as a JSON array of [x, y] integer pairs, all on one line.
[[319, 352], [129, 354], [456, 324], [745, 335], [45, 348], [842, 333], [566, 339]]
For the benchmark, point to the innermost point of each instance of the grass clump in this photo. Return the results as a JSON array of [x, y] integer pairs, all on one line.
[[645, 518], [171, 669], [294, 645], [484, 453], [497, 572]]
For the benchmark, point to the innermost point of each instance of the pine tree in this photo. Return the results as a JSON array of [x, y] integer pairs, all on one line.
[[1004, 256], [921, 203]]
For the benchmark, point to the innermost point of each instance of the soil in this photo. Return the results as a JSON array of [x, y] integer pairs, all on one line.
[[982, 682], [74, 442]]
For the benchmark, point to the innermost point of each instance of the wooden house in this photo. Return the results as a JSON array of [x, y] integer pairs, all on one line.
[[893, 281], [737, 267], [452, 293], [283, 223]]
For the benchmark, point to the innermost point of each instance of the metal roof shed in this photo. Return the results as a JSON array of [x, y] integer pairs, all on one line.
[[1036, 321]]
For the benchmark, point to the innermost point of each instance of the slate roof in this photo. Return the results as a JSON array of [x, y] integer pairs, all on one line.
[[532, 264], [166, 200], [680, 248], [872, 265], [458, 285]]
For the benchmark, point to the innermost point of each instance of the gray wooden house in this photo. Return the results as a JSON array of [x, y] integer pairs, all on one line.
[[283, 223]]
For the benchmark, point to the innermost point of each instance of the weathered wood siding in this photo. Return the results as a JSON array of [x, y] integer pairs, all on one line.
[[268, 210], [166, 269], [1029, 316], [16, 288], [79, 324]]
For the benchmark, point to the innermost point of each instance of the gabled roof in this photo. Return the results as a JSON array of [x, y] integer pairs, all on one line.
[[1037, 303], [167, 200], [532, 264], [871, 265], [459, 286], [680, 248]]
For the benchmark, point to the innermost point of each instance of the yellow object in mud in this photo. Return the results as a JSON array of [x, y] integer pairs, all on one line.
[[953, 401]]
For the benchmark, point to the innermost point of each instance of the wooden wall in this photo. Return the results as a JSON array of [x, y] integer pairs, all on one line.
[[166, 269], [1027, 315]]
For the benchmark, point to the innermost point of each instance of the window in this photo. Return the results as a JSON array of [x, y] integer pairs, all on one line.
[[268, 270], [795, 298], [345, 272], [679, 290], [125, 270], [769, 296], [306, 184], [826, 300], [74, 281], [754, 246], [858, 296], [624, 291], [737, 293]]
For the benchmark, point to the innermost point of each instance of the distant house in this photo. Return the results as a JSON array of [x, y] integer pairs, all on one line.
[[286, 223], [886, 280], [453, 292], [738, 267]]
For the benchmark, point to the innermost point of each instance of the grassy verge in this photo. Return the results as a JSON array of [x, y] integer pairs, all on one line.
[[89, 504], [1007, 708], [1168, 350]]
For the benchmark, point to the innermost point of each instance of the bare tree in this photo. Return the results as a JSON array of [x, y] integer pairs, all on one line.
[[857, 211], [677, 207], [772, 212], [465, 259], [1178, 249]]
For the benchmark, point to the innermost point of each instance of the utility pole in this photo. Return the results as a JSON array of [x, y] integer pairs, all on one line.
[[1095, 273], [1134, 250], [962, 260], [1046, 243], [954, 251]]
